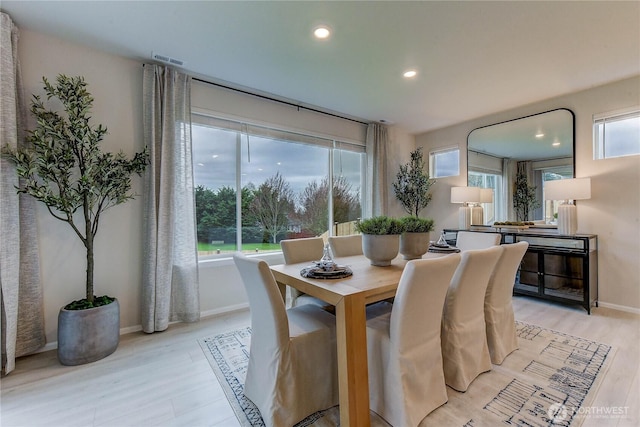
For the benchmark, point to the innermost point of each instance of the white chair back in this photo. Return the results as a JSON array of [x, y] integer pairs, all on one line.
[[498, 309], [292, 371], [464, 341], [500, 287], [302, 250], [346, 245], [471, 240], [406, 379], [417, 308], [270, 329]]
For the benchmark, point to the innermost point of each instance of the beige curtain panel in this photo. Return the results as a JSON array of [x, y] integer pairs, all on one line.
[[170, 290], [21, 297], [376, 143]]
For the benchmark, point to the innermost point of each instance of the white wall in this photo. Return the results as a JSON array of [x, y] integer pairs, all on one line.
[[613, 212]]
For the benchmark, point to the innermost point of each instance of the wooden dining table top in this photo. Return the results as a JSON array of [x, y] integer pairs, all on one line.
[[349, 295]]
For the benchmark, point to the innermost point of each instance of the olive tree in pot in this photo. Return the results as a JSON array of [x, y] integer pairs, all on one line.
[[411, 188], [65, 169], [380, 239]]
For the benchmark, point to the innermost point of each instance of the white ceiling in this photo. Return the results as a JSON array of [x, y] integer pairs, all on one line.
[[473, 58]]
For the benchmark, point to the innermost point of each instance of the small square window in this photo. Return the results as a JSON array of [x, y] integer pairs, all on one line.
[[444, 163], [616, 134]]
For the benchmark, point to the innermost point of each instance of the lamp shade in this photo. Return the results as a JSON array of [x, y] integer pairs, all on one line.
[[568, 189], [465, 194], [486, 195]]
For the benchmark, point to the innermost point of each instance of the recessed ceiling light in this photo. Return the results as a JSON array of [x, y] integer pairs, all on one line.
[[322, 32], [556, 144], [215, 156], [539, 135], [410, 73]]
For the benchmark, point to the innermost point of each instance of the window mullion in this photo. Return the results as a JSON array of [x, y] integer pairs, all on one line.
[[239, 191]]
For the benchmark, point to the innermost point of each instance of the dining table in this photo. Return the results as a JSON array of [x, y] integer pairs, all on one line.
[[349, 295]]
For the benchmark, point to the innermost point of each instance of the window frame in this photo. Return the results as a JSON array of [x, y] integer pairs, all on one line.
[[433, 164], [599, 131]]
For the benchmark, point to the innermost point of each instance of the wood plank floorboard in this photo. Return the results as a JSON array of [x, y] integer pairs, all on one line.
[[164, 379]]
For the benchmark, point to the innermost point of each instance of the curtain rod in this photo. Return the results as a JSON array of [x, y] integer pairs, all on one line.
[[291, 104]]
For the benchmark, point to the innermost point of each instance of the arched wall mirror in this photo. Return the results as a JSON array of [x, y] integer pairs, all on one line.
[[522, 153]]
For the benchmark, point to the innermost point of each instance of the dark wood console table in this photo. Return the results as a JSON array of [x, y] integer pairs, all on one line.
[[556, 267]]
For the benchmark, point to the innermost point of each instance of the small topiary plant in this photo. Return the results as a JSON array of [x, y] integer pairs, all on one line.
[[412, 224], [379, 225]]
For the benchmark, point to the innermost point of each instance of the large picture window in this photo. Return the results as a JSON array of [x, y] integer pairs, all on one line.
[[256, 186]]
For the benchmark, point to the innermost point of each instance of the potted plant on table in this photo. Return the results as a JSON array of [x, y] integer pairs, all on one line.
[[65, 169], [414, 241], [380, 239], [411, 188]]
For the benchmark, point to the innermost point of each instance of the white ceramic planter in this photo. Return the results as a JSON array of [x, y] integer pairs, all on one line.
[[380, 249], [414, 245]]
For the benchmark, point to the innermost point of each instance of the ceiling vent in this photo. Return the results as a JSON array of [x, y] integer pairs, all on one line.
[[167, 59]]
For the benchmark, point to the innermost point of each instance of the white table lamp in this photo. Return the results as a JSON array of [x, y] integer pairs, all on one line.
[[568, 190], [466, 196]]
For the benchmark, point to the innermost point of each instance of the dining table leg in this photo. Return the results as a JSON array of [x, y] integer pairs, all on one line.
[[351, 337]]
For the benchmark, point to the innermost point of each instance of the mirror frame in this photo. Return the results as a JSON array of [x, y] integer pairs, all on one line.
[[573, 134]]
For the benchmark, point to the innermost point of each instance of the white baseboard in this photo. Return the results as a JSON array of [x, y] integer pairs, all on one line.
[[137, 328], [619, 307], [225, 310]]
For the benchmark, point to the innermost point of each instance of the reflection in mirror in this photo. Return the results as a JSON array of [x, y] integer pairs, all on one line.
[[536, 149]]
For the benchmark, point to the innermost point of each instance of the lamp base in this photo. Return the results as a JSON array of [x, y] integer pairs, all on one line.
[[477, 215], [464, 217], [567, 219]]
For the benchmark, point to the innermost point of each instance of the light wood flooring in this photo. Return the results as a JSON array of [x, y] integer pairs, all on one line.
[[163, 379]]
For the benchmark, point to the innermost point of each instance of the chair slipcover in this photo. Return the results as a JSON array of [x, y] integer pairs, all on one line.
[[464, 339], [302, 250], [469, 240], [346, 245], [406, 379], [292, 371], [498, 310]]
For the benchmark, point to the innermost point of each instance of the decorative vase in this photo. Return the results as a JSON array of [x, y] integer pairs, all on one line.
[[85, 336], [380, 249], [414, 245]]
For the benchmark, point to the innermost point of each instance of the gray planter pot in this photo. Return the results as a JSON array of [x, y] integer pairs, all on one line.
[[414, 245], [85, 336], [380, 249]]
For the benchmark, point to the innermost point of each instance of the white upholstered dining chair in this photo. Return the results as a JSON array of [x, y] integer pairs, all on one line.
[[464, 340], [303, 250], [292, 371], [498, 310], [470, 240], [406, 379], [346, 245]]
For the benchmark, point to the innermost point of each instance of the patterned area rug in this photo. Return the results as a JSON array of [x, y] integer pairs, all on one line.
[[543, 383]]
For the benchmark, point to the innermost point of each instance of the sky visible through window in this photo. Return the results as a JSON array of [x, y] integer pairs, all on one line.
[[214, 158]]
